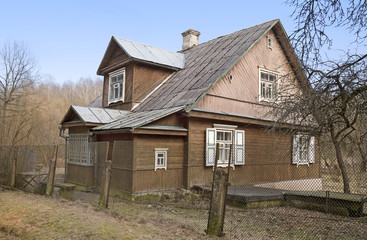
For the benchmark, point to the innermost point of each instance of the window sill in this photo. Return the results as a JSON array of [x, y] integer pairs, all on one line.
[[81, 164], [115, 102]]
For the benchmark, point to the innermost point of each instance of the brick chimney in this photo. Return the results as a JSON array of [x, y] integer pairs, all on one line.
[[190, 39]]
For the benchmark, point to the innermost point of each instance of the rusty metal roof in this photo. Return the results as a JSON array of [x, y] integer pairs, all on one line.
[[205, 64], [151, 54], [137, 119]]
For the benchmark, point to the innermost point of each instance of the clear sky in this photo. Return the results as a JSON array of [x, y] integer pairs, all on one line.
[[68, 38]]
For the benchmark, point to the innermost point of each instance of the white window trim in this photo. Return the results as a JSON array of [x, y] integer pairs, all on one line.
[[165, 154], [276, 83], [296, 150], [110, 76], [237, 145]]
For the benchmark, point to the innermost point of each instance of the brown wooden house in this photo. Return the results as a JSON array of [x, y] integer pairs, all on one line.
[[163, 112]]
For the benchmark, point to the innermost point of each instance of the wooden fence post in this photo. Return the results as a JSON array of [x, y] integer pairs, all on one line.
[[218, 198], [51, 173], [105, 185], [14, 163]]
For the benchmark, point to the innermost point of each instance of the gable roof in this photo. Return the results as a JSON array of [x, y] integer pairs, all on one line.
[[92, 115], [149, 54], [205, 64]]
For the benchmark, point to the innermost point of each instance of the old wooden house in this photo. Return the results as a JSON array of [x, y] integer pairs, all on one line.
[[163, 113]]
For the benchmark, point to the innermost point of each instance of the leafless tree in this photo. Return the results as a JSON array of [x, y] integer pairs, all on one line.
[[18, 74], [334, 99]]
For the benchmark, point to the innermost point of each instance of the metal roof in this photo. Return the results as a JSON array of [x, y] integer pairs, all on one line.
[[205, 64], [97, 102], [137, 119], [151, 54], [95, 115]]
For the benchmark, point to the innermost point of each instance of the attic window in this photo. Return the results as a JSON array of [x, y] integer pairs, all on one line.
[[116, 86], [270, 42], [268, 85]]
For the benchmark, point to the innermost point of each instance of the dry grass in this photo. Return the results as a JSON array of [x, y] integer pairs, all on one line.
[[28, 216], [182, 216]]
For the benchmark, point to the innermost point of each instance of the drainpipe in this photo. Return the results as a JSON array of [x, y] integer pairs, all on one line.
[[62, 134]]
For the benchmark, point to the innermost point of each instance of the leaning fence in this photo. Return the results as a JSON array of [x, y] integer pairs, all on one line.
[[264, 194]]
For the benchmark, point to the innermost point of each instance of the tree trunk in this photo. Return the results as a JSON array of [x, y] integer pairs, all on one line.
[[341, 163]]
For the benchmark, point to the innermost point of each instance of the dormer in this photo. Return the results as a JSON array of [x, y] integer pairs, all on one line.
[[133, 70]]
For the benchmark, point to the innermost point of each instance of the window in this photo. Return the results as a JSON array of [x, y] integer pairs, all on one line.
[[116, 86], [303, 149], [227, 139], [224, 138], [160, 158], [268, 85], [270, 42], [79, 149]]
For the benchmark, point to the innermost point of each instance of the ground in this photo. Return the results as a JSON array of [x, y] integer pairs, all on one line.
[[183, 216]]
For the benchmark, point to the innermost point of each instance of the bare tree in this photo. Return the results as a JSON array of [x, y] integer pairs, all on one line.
[[334, 101], [18, 74]]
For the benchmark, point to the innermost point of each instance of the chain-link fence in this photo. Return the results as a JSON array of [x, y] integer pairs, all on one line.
[[267, 194], [31, 164]]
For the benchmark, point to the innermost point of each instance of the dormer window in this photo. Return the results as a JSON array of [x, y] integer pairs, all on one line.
[[116, 86]]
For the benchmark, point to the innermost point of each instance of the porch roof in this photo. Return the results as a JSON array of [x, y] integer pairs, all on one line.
[[137, 119], [92, 115]]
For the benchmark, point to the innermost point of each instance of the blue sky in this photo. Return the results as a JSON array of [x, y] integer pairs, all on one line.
[[68, 38]]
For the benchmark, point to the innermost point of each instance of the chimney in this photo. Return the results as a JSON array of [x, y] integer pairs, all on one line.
[[190, 39]]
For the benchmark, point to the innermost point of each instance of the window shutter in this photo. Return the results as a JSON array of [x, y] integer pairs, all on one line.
[[311, 150], [295, 152], [239, 147], [210, 147]]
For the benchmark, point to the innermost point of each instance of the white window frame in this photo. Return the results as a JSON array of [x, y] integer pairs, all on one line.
[[274, 86], [79, 149], [303, 149], [237, 143], [157, 160], [224, 147], [119, 84]]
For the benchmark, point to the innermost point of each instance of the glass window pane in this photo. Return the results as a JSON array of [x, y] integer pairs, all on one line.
[[220, 135], [228, 136], [120, 92]]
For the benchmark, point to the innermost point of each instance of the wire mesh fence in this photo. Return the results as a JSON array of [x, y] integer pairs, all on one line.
[[265, 199]]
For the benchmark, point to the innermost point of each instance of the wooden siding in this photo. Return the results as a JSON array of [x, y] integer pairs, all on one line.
[[240, 94], [140, 80], [82, 175], [171, 120], [267, 156], [146, 79], [79, 129], [145, 179], [111, 138], [126, 105]]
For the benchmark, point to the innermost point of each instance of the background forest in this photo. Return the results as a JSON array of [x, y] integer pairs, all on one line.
[[32, 106]]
